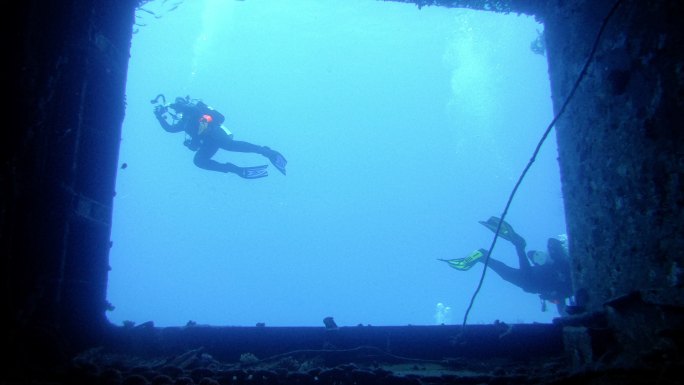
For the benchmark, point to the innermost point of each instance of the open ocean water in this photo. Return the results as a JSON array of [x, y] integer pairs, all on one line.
[[403, 127]]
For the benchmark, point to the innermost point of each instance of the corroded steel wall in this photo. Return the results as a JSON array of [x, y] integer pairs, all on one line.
[[621, 145], [68, 62]]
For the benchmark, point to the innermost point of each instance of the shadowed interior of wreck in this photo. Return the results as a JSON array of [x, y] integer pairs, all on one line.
[[622, 168]]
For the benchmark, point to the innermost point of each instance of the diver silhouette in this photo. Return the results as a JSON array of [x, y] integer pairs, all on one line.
[[546, 273], [205, 135]]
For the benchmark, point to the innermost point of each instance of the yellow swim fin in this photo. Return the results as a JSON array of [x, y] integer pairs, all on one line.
[[466, 263]]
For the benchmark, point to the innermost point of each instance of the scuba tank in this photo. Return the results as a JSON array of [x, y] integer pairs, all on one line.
[[208, 117], [199, 106], [195, 110], [217, 118]]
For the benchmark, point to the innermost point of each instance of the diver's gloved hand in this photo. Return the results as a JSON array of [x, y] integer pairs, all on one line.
[[247, 172]]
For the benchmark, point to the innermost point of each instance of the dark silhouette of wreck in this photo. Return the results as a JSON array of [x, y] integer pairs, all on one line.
[[621, 155]]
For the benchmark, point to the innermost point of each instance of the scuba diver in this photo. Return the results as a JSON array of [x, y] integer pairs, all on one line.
[[205, 135], [546, 273]]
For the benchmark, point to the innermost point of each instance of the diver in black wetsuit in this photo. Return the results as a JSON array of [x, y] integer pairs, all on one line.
[[544, 273], [202, 124]]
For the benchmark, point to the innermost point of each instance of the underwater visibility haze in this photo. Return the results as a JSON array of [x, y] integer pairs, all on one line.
[[402, 127]]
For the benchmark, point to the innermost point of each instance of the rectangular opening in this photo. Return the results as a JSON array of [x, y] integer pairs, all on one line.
[[402, 127]]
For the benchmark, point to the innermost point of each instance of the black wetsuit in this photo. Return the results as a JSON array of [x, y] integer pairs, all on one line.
[[208, 137], [551, 280], [213, 139]]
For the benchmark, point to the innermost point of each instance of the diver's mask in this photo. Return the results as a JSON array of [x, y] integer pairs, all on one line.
[[539, 257]]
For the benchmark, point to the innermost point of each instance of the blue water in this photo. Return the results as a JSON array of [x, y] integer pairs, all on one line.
[[402, 127]]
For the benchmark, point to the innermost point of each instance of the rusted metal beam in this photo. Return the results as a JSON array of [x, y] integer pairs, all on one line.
[[528, 7]]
